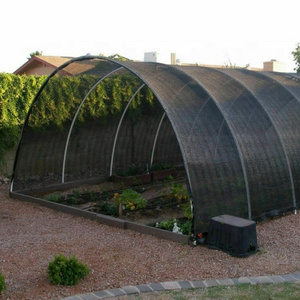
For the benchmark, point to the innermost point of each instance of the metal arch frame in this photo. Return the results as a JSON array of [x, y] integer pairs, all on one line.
[[33, 103], [294, 76], [277, 132], [166, 111], [122, 65], [296, 96], [75, 117], [134, 70], [155, 138], [236, 143], [118, 129]]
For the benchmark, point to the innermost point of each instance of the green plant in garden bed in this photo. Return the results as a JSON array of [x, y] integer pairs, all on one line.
[[166, 224], [54, 198], [130, 199], [185, 227], [72, 199], [176, 191], [179, 192], [64, 271], [75, 197], [187, 210], [107, 209], [160, 167], [2, 283]]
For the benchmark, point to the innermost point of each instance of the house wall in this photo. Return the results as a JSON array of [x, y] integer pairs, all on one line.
[[39, 70], [274, 66]]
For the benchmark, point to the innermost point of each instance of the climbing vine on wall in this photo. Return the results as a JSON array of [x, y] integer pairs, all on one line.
[[16, 94], [58, 102]]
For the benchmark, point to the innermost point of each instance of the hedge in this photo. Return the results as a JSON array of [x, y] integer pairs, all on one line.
[[60, 99]]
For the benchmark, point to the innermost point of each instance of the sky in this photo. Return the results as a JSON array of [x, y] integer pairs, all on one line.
[[212, 32]]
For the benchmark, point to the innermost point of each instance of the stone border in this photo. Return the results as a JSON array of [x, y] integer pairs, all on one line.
[[184, 284]]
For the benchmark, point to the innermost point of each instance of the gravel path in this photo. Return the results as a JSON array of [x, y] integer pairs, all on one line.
[[31, 235]]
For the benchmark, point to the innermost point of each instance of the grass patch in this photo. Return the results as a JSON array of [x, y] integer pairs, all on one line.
[[270, 291]]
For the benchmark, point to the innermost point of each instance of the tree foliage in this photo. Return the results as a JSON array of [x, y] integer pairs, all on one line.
[[32, 54], [296, 54], [57, 104], [16, 94], [117, 57]]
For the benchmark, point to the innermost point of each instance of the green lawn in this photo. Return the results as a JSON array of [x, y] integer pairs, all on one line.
[[279, 291]]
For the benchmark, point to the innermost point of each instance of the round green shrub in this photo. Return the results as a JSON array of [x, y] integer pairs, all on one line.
[[2, 283], [64, 271]]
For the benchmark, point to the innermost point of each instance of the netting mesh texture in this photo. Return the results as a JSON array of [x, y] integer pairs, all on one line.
[[236, 132]]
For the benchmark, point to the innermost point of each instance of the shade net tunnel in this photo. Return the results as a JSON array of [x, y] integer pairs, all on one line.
[[234, 133]]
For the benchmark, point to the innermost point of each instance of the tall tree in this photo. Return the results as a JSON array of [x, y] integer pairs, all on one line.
[[31, 55], [296, 54], [116, 57]]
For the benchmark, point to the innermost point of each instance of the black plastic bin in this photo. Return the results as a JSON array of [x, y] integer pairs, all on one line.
[[234, 235]]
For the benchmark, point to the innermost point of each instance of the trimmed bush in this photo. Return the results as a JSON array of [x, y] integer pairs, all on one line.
[[2, 283], [64, 271]]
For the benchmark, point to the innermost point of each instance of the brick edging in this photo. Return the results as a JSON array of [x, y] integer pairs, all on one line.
[[183, 284]]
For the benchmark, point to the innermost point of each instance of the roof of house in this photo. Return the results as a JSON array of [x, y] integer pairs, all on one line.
[[55, 62], [49, 61]]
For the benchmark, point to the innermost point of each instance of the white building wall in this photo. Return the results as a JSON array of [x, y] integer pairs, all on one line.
[[151, 56], [274, 66]]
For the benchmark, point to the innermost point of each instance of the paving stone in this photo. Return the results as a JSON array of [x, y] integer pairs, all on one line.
[[130, 290], [211, 282], [198, 284], [296, 275], [116, 292], [144, 288], [225, 281], [277, 279], [244, 280], [170, 285], [289, 278], [156, 287], [185, 284], [89, 296], [236, 281], [261, 279]]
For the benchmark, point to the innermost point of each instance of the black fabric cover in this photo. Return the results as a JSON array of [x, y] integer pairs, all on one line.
[[237, 133]]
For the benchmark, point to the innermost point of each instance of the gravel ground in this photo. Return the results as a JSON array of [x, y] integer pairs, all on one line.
[[31, 235]]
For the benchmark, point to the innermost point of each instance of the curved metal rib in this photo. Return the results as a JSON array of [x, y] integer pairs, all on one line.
[[118, 129], [155, 138], [75, 117]]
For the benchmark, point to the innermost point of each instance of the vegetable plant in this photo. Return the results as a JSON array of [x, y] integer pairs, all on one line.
[[129, 199], [179, 192]]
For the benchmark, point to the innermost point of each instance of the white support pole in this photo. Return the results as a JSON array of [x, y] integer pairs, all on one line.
[[75, 117], [118, 129], [155, 139]]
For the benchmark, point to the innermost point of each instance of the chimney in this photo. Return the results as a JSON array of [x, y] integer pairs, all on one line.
[[173, 58]]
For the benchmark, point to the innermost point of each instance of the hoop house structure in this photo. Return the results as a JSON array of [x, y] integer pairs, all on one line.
[[235, 132]]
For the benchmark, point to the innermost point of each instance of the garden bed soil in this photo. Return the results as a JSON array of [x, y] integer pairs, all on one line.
[[159, 208]]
